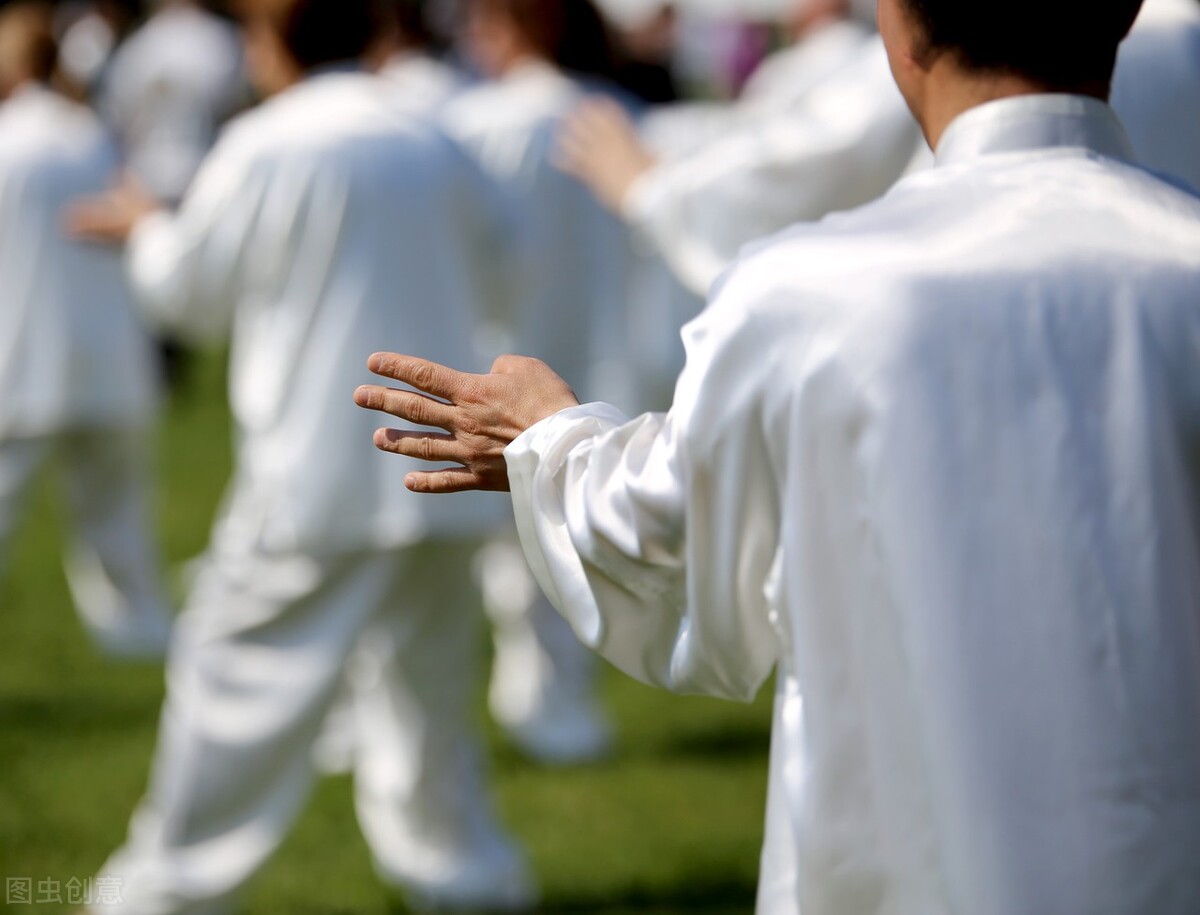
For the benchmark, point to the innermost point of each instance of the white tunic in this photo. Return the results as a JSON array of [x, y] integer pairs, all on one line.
[[71, 351], [421, 82], [570, 308], [171, 86], [783, 79], [936, 460], [324, 226], [840, 141], [1157, 88]]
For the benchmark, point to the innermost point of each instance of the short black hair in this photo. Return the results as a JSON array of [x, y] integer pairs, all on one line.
[[1059, 43], [570, 33], [319, 33], [411, 19]]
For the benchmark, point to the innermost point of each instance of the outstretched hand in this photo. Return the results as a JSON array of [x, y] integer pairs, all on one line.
[[480, 415], [111, 217], [599, 145]]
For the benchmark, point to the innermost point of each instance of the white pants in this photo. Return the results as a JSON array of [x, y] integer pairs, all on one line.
[[259, 654], [543, 681], [112, 562]]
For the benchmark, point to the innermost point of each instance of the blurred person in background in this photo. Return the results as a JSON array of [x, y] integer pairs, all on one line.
[[167, 91], [645, 36], [538, 59], [76, 368], [820, 128], [90, 32], [1157, 88], [422, 80], [936, 462], [320, 221], [171, 86]]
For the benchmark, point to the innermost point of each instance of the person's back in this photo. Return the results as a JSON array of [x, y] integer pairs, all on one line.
[[351, 222], [1157, 88], [72, 354], [75, 365], [171, 86], [322, 221], [576, 253], [1003, 460]]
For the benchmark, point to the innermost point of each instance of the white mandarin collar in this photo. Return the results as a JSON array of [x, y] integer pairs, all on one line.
[[1028, 123], [31, 92]]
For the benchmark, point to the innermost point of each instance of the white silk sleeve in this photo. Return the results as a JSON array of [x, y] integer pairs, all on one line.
[[655, 538], [184, 267], [836, 152]]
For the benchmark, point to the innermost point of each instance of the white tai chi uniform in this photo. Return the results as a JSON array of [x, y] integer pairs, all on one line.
[[570, 310], [418, 84], [935, 460], [1156, 91], [323, 224], [421, 82], [75, 371], [826, 129], [171, 85]]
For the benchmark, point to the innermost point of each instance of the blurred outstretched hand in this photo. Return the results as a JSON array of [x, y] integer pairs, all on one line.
[[599, 145], [480, 415], [111, 217]]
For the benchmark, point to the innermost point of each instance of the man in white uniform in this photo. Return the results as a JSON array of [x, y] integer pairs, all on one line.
[[422, 81], [937, 461], [75, 366], [321, 220], [171, 86], [821, 128], [570, 309], [1157, 88]]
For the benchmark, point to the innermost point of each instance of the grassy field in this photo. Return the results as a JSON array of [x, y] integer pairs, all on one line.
[[673, 824]]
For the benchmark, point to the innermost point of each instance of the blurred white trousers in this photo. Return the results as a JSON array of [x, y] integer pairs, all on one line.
[[259, 654], [543, 683], [112, 561]]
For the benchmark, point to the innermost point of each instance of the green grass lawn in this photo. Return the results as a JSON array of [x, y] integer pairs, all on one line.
[[672, 824]]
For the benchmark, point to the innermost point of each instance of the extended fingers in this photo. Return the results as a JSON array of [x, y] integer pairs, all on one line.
[[421, 374], [425, 446], [407, 405], [437, 482]]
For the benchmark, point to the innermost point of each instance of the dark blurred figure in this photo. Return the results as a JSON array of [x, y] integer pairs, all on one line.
[[75, 366], [645, 39]]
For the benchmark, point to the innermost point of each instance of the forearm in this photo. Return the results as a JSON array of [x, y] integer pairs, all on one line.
[[600, 504], [172, 279]]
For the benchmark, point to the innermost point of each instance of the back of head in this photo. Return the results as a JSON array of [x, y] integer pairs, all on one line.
[[1060, 44], [319, 33], [569, 33], [28, 49], [409, 21]]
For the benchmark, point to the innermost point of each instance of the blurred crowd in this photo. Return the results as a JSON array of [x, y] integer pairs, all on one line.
[[312, 180]]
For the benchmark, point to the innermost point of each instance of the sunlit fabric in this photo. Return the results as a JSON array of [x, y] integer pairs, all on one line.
[[315, 266], [571, 306], [1157, 88], [935, 461], [170, 87], [421, 82], [828, 131], [76, 373], [71, 350]]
